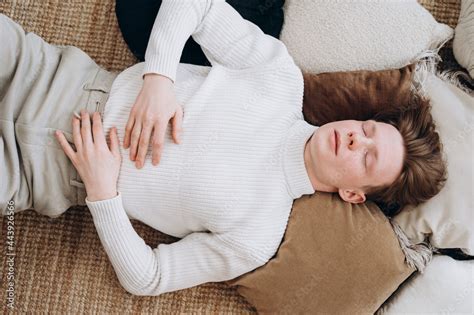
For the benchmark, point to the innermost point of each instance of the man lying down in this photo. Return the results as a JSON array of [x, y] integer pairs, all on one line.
[[222, 175]]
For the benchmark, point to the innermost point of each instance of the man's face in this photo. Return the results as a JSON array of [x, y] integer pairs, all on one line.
[[367, 153]]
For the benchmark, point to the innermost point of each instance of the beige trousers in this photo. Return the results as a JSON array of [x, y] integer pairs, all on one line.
[[41, 86]]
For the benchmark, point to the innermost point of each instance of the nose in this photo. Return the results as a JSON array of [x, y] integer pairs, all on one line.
[[357, 141]]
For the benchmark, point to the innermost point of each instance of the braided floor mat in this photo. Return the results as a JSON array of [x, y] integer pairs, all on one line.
[[60, 265]]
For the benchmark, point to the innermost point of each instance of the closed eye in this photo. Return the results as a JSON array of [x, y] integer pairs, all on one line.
[[365, 154]]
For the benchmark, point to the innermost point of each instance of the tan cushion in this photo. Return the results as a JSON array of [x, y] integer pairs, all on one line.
[[335, 257]]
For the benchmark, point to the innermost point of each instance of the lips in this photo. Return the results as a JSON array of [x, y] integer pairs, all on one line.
[[336, 145]]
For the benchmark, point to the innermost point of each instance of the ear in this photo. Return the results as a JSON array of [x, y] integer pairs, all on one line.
[[352, 195]]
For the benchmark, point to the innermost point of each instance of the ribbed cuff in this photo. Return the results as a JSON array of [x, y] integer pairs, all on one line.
[[164, 64], [110, 211], [174, 24]]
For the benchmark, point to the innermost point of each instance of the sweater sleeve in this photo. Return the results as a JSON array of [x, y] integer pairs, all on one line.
[[198, 258], [225, 37]]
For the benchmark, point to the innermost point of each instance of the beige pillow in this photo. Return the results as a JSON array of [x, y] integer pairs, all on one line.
[[463, 44], [345, 35], [335, 258], [448, 218], [445, 287]]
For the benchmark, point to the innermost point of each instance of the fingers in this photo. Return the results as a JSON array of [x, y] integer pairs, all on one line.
[[157, 142], [176, 124], [76, 133], [81, 133], [143, 145], [65, 145], [97, 131], [86, 128], [135, 137], [128, 129], [114, 141]]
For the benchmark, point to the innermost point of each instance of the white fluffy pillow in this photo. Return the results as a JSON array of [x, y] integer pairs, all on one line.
[[448, 217], [445, 287], [463, 44], [344, 35]]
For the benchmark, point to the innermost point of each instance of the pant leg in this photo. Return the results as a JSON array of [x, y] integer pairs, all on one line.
[[266, 14], [41, 85], [136, 19]]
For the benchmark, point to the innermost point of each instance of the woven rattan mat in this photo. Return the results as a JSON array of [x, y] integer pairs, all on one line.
[[60, 265]]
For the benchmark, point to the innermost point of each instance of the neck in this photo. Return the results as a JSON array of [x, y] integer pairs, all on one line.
[[311, 169]]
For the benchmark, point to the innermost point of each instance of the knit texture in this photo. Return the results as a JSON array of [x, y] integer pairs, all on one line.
[[228, 188], [348, 35]]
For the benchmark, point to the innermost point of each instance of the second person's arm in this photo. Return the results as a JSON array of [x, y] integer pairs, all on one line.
[[224, 35]]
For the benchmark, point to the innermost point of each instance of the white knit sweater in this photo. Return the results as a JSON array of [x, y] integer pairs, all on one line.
[[227, 190]]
